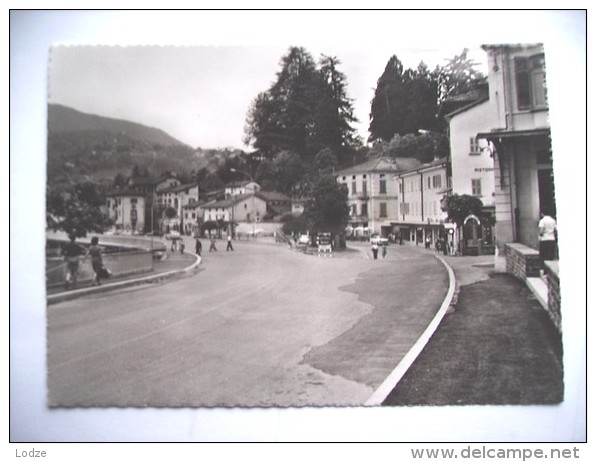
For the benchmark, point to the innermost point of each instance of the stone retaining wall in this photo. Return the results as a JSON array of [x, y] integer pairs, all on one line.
[[522, 261], [551, 272]]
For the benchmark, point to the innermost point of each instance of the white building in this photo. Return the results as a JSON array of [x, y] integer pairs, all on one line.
[[373, 194], [241, 187], [473, 172], [420, 193], [248, 208], [127, 210]]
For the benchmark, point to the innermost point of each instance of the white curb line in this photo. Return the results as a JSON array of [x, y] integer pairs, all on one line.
[[397, 374]]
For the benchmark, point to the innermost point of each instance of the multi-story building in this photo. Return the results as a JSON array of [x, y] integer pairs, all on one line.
[[472, 172], [127, 209], [373, 194], [176, 197], [248, 208], [421, 190], [519, 141]]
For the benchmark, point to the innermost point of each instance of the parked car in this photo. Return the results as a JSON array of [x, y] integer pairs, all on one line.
[[304, 239], [173, 236], [379, 240]]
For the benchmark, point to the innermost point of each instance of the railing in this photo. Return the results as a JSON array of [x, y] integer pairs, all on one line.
[[120, 264]]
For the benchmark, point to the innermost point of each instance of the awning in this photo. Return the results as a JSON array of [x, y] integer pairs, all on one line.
[[500, 135]]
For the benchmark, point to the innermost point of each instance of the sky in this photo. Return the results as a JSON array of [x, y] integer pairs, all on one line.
[[201, 94]]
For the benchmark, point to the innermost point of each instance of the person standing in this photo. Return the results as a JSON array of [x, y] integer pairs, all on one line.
[[384, 251], [212, 246], [375, 249], [547, 234], [229, 247], [72, 254], [96, 260], [198, 247]]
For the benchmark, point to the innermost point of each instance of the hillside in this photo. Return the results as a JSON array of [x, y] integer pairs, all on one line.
[[62, 119]]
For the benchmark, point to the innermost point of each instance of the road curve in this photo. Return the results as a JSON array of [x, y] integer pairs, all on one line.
[[259, 326]]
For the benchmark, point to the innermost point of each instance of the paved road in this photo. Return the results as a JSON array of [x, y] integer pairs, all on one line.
[[260, 326]]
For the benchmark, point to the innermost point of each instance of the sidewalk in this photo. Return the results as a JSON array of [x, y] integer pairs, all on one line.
[[496, 345]]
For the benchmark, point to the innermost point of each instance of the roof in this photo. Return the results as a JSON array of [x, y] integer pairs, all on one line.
[[239, 184], [229, 202], [453, 103], [178, 188], [498, 135], [274, 196], [427, 166], [466, 108], [125, 192], [381, 165]]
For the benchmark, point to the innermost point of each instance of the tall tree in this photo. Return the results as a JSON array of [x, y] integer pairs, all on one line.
[[305, 110], [386, 112], [335, 112], [459, 76]]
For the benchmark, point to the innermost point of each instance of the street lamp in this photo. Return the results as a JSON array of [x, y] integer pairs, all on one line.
[[234, 170]]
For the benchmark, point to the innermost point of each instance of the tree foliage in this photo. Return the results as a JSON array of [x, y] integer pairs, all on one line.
[[407, 100], [458, 207], [305, 110], [75, 209], [328, 210], [459, 76]]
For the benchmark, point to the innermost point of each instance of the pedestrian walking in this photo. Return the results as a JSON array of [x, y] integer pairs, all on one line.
[[427, 242], [375, 249], [182, 245], [547, 233], [384, 251], [229, 247], [72, 254], [198, 247], [173, 246], [96, 261], [212, 247]]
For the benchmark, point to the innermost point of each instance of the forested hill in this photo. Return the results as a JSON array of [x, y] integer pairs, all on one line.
[[62, 119]]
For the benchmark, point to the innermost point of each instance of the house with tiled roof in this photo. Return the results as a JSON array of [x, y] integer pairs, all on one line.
[[248, 208], [176, 197], [241, 187]]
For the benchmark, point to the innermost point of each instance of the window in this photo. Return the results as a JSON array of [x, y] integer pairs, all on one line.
[[364, 185], [476, 187], [437, 181], [353, 187], [383, 186], [530, 82], [383, 209], [474, 147], [353, 210], [364, 209], [133, 200]]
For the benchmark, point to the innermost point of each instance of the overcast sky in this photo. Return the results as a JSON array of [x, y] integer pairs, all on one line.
[[200, 95]]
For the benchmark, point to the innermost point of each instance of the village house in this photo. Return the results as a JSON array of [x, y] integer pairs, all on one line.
[[241, 187], [127, 209], [249, 208]]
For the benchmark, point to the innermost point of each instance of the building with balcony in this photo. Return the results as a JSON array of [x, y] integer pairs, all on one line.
[[518, 140]]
